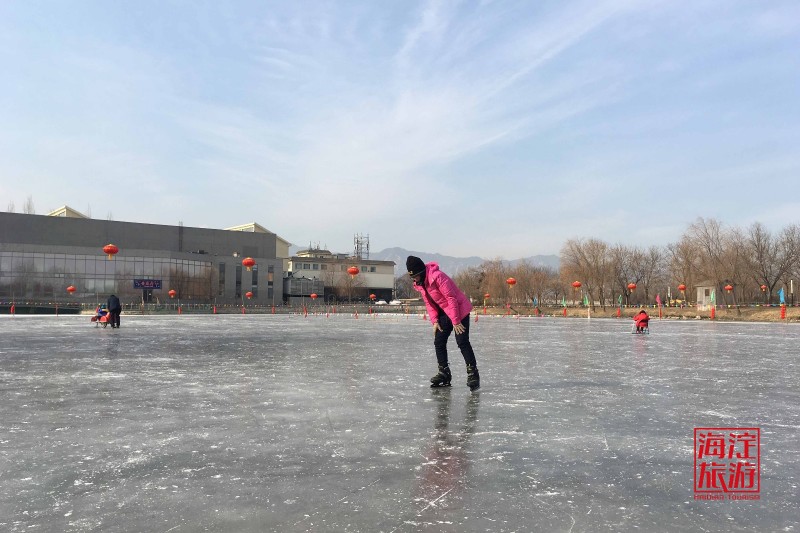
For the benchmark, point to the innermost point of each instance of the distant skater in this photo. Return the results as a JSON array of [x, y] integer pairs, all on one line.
[[642, 321], [114, 310], [449, 310]]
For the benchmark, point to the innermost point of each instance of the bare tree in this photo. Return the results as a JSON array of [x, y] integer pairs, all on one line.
[[649, 267], [683, 258], [735, 266], [468, 280], [404, 287], [586, 262], [11, 207], [28, 208], [619, 268], [771, 257], [708, 237]]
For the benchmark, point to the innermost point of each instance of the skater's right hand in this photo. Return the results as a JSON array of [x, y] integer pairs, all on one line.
[[436, 327]]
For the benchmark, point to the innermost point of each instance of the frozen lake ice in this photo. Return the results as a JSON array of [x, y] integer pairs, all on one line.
[[285, 423]]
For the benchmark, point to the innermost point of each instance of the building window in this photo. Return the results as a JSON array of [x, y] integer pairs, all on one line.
[[238, 281]]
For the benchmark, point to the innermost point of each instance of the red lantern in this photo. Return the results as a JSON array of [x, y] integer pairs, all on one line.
[[249, 263], [110, 250], [353, 271], [172, 293], [248, 294], [763, 288], [631, 287], [511, 282], [372, 297], [71, 289], [576, 285], [729, 287], [313, 295], [487, 296], [681, 287]]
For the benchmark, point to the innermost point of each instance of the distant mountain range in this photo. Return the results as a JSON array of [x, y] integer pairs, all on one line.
[[453, 265], [450, 265]]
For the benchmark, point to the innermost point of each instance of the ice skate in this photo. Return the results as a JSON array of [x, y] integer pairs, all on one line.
[[443, 378], [473, 378]]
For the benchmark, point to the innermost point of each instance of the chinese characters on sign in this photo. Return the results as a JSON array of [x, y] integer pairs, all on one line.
[[727, 463], [147, 284]]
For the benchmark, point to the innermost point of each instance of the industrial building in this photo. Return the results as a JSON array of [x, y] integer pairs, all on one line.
[[312, 268], [42, 256]]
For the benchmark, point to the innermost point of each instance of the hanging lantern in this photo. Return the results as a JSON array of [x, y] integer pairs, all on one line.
[[631, 287], [372, 297], [110, 250], [313, 295], [729, 287], [71, 289], [487, 296], [172, 293], [576, 285], [763, 288], [353, 271], [511, 282], [249, 263], [681, 287], [248, 294]]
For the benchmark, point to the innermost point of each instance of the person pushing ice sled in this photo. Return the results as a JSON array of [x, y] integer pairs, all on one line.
[[641, 321], [448, 309]]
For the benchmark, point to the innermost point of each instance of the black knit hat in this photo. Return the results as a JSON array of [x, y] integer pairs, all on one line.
[[414, 265]]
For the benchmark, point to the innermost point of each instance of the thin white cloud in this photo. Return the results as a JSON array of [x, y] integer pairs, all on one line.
[[424, 110]]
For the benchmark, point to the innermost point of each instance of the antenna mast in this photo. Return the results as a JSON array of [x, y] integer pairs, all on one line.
[[361, 246]]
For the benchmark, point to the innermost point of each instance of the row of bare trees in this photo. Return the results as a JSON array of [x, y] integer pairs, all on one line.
[[756, 262]]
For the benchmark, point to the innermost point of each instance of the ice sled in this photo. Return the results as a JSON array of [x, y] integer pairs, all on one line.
[[100, 320]]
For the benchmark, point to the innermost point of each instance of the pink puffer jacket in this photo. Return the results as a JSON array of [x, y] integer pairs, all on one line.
[[442, 290]]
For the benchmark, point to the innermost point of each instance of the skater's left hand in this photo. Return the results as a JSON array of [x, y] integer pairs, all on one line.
[[459, 329]]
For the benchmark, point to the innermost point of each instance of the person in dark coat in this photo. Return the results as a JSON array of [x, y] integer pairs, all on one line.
[[114, 310]]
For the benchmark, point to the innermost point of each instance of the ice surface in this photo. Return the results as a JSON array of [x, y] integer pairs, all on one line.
[[285, 423]]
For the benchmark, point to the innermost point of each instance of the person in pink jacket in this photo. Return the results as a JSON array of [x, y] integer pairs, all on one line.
[[449, 310]]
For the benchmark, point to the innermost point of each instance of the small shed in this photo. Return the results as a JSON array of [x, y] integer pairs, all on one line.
[[705, 289]]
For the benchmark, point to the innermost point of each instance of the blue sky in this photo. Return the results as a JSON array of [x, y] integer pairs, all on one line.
[[490, 128]]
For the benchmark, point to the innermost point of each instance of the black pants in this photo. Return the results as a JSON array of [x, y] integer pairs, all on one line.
[[113, 317], [440, 341]]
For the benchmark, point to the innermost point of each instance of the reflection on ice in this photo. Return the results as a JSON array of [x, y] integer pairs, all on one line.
[[286, 423]]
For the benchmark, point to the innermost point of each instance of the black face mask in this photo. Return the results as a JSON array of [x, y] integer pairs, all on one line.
[[421, 280]]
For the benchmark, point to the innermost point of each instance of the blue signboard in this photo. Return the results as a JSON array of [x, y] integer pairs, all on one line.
[[147, 284]]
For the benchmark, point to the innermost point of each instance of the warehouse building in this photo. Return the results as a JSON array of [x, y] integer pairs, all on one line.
[[41, 256]]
